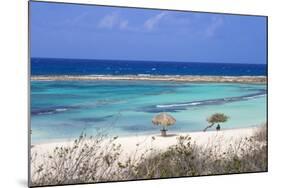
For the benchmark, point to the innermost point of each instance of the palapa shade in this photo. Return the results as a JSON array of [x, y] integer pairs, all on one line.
[[163, 119]]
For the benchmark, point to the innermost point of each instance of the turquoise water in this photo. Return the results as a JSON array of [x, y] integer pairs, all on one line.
[[63, 109]]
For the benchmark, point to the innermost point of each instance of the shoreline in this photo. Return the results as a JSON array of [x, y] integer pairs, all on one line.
[[150, 134], [130, 144], [175, 78]]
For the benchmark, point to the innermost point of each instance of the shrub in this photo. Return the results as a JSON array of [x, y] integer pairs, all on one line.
[[97, 159], [188, 159], [86, 160]]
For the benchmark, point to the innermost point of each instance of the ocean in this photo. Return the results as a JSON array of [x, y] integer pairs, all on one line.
[[62, 110], [50, 66]]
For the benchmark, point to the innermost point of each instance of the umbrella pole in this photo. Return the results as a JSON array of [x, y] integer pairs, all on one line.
[[163, 131]]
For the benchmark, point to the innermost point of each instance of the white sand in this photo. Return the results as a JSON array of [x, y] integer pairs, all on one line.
[[129, 145]]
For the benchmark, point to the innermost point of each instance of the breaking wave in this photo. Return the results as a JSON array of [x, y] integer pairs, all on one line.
[[186, 105]]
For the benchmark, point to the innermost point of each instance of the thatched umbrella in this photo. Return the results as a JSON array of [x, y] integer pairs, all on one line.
[[164, 120]]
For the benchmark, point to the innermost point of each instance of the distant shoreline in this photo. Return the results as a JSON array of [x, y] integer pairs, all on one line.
[[176, 78]]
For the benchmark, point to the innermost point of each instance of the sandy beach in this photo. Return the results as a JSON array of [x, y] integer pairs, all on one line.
[[217, 79], [131, 144]]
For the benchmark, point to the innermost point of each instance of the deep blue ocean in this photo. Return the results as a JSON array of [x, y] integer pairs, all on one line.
[[51, 66]]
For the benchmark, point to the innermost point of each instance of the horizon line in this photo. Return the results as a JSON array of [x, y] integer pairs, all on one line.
[[149, 60]]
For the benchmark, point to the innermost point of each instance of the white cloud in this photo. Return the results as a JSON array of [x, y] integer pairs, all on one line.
[[113, 20], [150, 23], [123, 24], [109, 21], [213, 27]]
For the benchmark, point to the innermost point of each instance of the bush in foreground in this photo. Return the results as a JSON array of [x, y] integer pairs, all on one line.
[[86, 160], [97, 159], [188, 159]]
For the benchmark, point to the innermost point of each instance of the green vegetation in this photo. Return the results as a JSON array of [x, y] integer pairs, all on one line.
[[215, 119], [187, 159]]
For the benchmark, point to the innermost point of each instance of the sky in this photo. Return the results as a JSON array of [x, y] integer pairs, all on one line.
[[99, 32]]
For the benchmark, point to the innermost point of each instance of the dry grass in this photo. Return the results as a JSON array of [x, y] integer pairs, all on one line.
[[188, 159], [261, 133], [86, 160], [97, 159]]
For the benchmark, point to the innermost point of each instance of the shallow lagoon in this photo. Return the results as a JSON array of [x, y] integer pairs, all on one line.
[[64, 109]]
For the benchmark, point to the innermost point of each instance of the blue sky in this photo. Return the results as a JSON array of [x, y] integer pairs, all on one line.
[[97, 32]]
